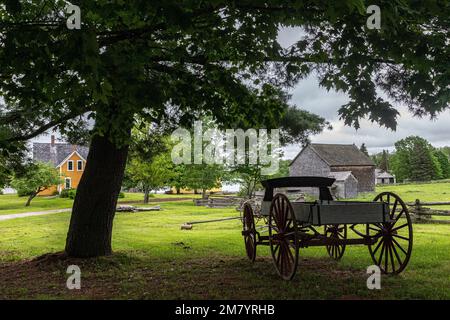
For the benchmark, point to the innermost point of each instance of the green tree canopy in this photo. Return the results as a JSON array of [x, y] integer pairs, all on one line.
[[414, 159], [151, 174], [444, 164], [37, 178]]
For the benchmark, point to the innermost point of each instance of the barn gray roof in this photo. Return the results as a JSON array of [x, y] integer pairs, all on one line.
[[57, 153], [340, 175], [340, 154], [382, 174]]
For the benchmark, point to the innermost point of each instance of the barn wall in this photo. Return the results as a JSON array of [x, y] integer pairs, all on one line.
[[351, 187], [308, 163], [364, 174]]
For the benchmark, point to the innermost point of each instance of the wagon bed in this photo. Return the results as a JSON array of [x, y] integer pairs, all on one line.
[[324, 212]]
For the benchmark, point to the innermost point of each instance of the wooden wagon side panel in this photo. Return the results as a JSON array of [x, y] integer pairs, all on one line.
[[349, 213]]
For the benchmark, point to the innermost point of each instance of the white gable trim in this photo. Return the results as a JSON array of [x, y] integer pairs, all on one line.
[[68, 157]]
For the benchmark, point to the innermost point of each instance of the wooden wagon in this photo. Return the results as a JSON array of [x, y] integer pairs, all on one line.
[[383, 225]]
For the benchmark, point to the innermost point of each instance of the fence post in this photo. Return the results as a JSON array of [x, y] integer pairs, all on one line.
[[417, 210]]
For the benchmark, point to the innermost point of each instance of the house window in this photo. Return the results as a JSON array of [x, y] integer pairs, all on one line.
[[70, 165], [68, 183], [80, 165]]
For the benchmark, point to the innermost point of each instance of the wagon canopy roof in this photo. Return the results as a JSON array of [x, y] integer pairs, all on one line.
[[340, 154], [298, 182]]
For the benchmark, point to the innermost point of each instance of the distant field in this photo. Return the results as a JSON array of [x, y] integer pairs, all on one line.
[[426, 192], [11, 203], [439, 191]]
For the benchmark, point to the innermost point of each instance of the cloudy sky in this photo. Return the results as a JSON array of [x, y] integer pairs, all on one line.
[[309, 96]]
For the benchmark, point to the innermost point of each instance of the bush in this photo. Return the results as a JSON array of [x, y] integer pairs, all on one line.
[[72, 193], [1, 192], [64, 193], [55, 193], [121, 195]]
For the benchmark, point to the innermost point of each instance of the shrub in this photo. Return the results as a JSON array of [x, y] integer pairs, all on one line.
[[121, 195], [55, 193], [72, 193], [64, 193]]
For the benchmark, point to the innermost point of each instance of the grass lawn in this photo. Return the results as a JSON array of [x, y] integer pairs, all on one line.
[[13, 204], [426, 192], [154, 259]]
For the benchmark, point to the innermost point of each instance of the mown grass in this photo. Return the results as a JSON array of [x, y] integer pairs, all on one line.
[[426, 192], [11, 203], [153, 259]]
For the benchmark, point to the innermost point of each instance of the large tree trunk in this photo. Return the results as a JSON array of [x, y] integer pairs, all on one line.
[[91, 224]]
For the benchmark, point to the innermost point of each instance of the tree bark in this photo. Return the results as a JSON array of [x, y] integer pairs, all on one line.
[[31, 197], [146, 194], [203, 193], [91, 223]]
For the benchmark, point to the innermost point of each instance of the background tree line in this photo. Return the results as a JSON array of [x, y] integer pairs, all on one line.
[[415, 159]]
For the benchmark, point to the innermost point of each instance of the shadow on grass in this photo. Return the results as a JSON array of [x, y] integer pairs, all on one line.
[[132, 275]]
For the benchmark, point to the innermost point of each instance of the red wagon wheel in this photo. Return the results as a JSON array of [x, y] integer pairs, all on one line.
[[393, 249], [339, 232], [283, 236], [249, 231]]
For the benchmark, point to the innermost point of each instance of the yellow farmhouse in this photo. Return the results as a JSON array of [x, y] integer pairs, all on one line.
[[69, 159]]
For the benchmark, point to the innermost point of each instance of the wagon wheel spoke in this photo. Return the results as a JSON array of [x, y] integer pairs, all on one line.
[[378, 246], [399, 246], [399, 215], [399, 227], [401, 237], [396, 254], [374, 229], [394, 208], [277, 247], [386, 257], [392, 258], [380, 258], [279, 254]]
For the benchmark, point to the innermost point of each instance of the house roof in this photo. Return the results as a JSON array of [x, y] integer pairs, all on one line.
[[56, 153], [339, 154], [382, 174], [340, 175]]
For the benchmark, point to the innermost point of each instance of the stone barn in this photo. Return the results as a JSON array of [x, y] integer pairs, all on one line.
[[324, 159]]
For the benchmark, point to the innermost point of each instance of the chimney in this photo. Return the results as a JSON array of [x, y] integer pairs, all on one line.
[[52, 140]]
